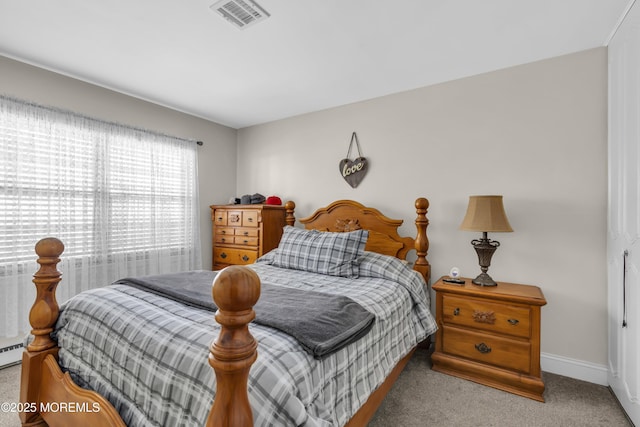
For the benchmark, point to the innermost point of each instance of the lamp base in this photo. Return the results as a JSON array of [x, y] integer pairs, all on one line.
[[485, 249], [484, 279]]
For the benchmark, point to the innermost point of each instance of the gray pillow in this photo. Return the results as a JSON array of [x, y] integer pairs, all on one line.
[[335, 254]]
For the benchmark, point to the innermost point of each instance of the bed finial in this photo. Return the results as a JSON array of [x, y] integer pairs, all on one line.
[[422, 241], [290, 218], [45, 310], [235, 291]]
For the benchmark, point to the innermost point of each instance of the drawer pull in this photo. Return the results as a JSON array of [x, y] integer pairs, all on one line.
[[513, 322], [220, 218], [483, 348], [245, 258], [246, 233], [250, 219], [223, 255], [245, 242], [456, 312], [488, 317], [223, 232], [223, 240]]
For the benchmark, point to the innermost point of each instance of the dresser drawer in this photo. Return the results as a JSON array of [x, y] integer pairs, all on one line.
[[245, 241], [234, 218], [228, 231], [247, 232], [480, 314], [486, 348], [250, 219], [219, 217], [234, 256], [224, 239]]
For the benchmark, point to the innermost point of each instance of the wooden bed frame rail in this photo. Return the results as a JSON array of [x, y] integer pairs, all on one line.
[[236, 289]]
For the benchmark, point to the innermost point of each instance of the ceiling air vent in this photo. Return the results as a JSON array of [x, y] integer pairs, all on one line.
[[241, 13]]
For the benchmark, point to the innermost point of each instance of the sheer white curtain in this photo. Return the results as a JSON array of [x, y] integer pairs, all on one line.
[[123, 201]]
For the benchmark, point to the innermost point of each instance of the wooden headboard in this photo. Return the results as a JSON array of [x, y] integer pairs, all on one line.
[[348, 215]]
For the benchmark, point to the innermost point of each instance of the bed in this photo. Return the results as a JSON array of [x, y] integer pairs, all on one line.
[[79, 372]]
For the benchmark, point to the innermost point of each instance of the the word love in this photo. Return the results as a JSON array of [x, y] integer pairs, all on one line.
[[353, 170]]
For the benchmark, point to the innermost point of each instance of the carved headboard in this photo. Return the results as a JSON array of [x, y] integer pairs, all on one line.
[[348, 215]]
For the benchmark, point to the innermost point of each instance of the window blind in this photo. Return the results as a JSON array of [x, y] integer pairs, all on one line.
[[124, 201]]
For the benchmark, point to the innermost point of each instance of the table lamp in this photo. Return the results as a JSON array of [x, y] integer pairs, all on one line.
[[485, 214]]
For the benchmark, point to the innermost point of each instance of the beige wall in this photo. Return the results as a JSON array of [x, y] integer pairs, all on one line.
[[536, 134], [216, 157]]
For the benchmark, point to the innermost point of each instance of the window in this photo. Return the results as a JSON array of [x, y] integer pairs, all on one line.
[[124, 202]]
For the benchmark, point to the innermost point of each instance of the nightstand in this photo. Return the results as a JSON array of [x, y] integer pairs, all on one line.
[[490, 335]]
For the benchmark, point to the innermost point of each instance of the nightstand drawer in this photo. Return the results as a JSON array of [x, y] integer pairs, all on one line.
[[234, 256], [480, 314], [485, 348]]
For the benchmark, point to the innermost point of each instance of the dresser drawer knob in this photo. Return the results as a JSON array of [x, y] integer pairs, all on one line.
[[245, 258], [246, 233], [513, 322], [250, 219], [223, 255], [223, 240], [456, 312], [483, 348], [223, 232]]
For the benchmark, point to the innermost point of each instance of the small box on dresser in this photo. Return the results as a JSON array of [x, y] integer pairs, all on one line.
[[243, 233], [490, 335]]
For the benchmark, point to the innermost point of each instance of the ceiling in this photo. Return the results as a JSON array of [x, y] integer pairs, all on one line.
[[308, 55]]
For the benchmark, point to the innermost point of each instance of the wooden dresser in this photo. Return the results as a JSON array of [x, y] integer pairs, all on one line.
[[242, 233], [490, 335]]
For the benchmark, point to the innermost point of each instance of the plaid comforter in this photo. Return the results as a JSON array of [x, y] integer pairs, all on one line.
[[148, 355]]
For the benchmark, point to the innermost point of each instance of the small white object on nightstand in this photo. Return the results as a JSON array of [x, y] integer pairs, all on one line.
[[454, 273]]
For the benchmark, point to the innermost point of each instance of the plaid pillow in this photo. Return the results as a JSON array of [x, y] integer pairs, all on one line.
[[334, 254]]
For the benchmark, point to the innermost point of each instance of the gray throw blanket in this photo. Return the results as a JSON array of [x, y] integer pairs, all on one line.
[[322, 323]]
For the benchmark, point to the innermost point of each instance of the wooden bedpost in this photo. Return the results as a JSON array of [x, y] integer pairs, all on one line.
[[43, 315], [235, 291], [42, 383], [422, 241], [45, 310], [290, 218]]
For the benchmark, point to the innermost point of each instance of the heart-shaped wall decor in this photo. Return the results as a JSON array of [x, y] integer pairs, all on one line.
[[353, 170]]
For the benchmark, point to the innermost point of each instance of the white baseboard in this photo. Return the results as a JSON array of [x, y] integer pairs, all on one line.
[[573, 368], [11, 357]]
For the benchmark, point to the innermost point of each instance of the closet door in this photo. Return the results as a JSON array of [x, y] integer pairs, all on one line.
[[623, 240]]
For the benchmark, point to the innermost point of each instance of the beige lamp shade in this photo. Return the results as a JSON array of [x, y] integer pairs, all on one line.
[[485, 213]]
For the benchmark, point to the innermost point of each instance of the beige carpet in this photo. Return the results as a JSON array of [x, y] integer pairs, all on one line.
[[422, 397], [9, 393]]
